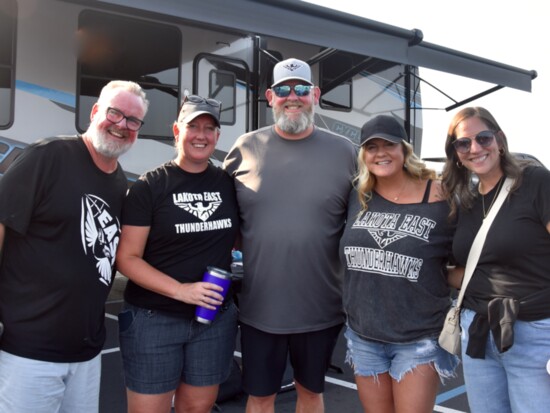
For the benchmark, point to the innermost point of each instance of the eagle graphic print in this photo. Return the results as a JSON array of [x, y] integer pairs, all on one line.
[[100, 232]]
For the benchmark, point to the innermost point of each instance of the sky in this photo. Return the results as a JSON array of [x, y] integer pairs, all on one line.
[[512, 32]]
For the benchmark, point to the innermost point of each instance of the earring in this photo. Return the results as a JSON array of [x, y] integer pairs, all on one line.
[[501, 151], [459, 164]]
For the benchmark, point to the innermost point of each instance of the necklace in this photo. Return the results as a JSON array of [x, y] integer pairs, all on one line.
[[499, 185], [396, 197]]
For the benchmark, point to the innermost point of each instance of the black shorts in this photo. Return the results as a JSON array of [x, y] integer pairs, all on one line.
[[264, 358]]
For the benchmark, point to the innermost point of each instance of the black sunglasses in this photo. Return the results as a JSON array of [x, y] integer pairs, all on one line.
[[283, 91], [199, 99], [483, 139]]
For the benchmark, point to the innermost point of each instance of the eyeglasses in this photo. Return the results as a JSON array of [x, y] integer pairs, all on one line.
[[115, 116], [483, 139], [283, 91]]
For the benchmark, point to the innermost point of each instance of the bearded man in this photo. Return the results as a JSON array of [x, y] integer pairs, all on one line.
[[292, 181], [60, 206]]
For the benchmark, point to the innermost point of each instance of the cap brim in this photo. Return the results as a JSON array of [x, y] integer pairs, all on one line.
[[194, 115], [385, 136], [285, 79]]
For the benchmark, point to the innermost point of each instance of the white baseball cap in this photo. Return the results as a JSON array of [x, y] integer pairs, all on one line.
[[291, 69]]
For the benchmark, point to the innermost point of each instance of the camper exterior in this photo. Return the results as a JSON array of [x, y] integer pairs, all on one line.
[[55, 55]]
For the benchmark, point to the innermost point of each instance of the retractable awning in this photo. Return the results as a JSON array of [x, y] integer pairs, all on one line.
[[310, 23]]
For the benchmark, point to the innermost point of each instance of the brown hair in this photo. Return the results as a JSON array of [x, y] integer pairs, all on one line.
[[456, 179]]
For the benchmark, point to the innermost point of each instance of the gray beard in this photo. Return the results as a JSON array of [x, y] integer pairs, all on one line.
[[293, 126], [106, 146]]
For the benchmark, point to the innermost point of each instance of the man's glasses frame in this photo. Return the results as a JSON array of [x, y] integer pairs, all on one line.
[[283, 91], [484, 139], [116, 116]]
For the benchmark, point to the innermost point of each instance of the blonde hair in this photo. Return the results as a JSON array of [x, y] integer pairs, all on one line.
[[364, 181]]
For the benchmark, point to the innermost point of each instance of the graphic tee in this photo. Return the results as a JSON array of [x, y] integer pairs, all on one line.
[[395, 286], [193, 220], [62, 229]]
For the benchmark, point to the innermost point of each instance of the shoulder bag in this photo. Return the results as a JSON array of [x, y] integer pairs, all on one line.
[[449, 338]]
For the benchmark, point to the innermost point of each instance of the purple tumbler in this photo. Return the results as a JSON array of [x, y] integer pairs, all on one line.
[[215, 276]]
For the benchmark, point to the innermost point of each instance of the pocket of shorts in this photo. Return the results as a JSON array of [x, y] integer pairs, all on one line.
[[125, 320]]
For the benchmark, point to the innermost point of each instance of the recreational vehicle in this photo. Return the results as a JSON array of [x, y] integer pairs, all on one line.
[[55, 56]]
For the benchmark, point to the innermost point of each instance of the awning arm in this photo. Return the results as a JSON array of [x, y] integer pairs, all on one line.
[[470, 99]]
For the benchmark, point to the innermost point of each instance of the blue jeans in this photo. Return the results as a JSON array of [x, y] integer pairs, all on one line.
[[35, 386], [514, 381]]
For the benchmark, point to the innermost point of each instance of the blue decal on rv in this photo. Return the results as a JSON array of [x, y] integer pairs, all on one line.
[[55, 96]]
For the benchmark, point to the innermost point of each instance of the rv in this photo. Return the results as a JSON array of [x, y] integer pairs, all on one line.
[[56, 55]]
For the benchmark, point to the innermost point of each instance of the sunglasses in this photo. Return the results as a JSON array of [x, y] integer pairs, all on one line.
[[283, 91], [199, 99], [483, 139]]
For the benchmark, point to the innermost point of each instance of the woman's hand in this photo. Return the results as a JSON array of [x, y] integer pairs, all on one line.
[[200, 293]]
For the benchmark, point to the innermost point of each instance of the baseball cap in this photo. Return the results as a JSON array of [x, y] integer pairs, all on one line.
[[291, 69], [195, 105], [385, 127]]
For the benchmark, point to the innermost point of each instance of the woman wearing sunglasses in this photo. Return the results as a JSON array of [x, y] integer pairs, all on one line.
[[506, 310]]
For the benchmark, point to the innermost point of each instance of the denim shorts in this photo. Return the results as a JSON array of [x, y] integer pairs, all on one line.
[[371, 358], [160, 350]]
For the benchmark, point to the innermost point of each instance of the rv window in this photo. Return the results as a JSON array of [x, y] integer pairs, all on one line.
[[118, 47], [222, 88], [336, 92], [8, 14]]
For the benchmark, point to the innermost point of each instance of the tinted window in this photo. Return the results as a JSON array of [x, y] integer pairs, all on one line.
[[115, 47], [8, 15], [222, 88]]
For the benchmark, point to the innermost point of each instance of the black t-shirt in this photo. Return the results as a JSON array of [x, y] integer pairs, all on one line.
[[62, 228], [515, 259], [193, 220]]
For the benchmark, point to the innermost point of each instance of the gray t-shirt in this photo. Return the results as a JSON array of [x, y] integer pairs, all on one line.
[[395, 287], [293, 198]]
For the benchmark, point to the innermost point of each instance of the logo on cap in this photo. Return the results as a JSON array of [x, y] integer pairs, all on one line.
[[292, 66], [291, 69]]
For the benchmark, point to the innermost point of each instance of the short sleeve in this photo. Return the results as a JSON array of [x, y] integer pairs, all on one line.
[[23, 184], [138, 205]]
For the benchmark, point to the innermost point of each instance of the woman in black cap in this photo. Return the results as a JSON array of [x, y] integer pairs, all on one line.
[[177, 220], [396, 247]]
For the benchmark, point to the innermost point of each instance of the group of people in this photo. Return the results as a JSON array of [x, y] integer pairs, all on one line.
[[334, 236]]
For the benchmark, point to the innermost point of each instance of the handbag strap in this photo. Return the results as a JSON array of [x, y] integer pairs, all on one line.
[[477, 245]]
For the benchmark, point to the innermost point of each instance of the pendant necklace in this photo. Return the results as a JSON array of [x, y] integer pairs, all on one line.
[[499, 186], [396, 198]]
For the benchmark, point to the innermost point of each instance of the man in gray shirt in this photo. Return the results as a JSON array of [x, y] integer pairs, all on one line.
[[292, 180]]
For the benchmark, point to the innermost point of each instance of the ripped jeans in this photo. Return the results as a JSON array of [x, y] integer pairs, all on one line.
[[371, 358]]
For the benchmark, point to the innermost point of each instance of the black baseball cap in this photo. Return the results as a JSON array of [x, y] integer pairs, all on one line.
[[384, 127]]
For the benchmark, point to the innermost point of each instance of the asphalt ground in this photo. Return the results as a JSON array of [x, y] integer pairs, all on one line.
[[340, 390]]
